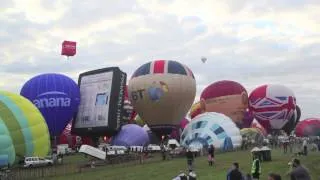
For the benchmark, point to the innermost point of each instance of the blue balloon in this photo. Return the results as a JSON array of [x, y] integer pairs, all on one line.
[[56, 96], [131, 135]]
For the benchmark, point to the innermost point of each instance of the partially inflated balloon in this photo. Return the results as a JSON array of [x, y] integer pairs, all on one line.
[[162, 93], [26, 125], [56, 96], [211, 128], [308, 127], [7, 151], [227, 97], [272, 105], [131, 135]]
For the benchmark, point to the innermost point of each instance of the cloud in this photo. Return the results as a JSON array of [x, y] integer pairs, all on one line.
[[252, 42]]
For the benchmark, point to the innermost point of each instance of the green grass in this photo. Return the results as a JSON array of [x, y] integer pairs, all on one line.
[[162, 170]]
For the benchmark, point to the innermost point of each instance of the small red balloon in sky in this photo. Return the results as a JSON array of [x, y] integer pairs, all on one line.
[[69, 48]]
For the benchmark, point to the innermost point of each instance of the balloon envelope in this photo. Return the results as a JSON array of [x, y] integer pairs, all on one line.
[[211, 128], [227, 97], [308, 127], [26, 125], [131, 135], [56, 96], [162, 93], [272, 105], [7, 150]]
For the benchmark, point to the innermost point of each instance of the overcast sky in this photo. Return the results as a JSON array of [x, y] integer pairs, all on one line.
[[253, 42]]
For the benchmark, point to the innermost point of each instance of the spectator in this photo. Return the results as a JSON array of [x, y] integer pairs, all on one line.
[[234, 173], [298, 172], [256, 167], [305, 147], [190, 159], [211, 155], [273, 176]]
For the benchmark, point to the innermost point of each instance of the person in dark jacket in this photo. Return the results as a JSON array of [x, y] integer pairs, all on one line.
[[190, 159], [211, 155], [234, 173], [298, 171]]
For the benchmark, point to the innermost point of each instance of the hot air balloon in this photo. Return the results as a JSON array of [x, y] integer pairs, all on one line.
[[7, 151], [211, 128], [27, 127], [195, 110], [56, 96], [162, 92], [131, 135], [308, 127], [272, 105], [69, 48], [203, 59], [227, 97]]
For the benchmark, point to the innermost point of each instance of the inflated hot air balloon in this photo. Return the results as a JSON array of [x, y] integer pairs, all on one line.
[[308, 127], [195, 110], [162, 92], [7, 151], [27, 127], [56, 96], [227, 97], [253, 134], [211, 128], [203, 59], [272, 105], [131, 135], [69, 48]]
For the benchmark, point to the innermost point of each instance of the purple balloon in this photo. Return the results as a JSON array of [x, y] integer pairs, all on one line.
[[131, 135], [247, 120], [56, 96]]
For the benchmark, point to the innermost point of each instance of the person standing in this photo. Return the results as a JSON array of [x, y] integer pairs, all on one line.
[[305, 147], [256, 167], [211, 155], [298, 171], [190, 159], [234, 173]]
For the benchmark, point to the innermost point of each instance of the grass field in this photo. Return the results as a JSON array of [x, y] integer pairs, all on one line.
[[165, 170]]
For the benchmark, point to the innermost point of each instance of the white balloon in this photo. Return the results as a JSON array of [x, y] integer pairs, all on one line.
[[211, 128]]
